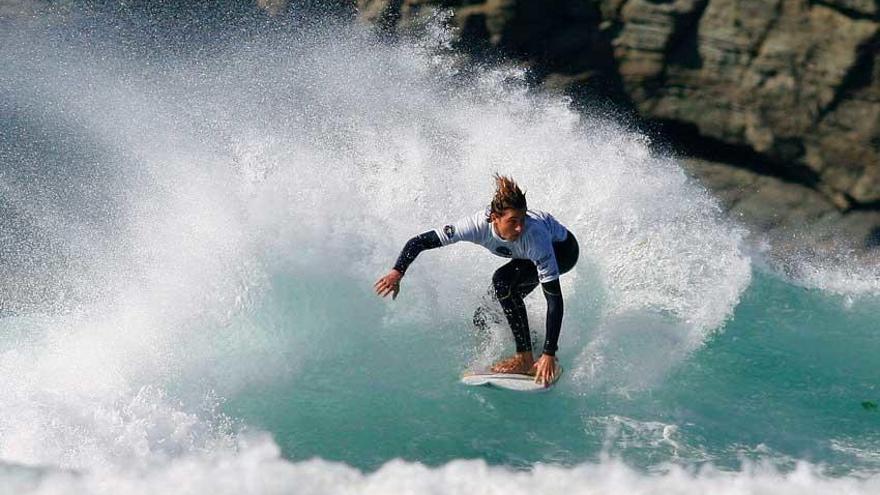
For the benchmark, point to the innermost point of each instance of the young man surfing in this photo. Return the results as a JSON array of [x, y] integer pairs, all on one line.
[[540, 248]]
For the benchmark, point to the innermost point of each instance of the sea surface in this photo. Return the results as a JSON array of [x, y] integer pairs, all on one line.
[[192, 218]]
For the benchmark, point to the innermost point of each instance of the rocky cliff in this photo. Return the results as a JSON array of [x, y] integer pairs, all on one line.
[[779, 99]]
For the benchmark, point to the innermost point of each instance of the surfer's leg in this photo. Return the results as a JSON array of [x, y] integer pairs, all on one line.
[[517, 279], [523, 275], [509, 282], [512, 282]]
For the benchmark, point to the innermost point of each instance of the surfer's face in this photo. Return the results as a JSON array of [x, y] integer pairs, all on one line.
[[509, 224]]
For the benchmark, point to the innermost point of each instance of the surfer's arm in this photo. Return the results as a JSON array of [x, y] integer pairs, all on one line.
[[555, 309], [390, 284], [419, 243]]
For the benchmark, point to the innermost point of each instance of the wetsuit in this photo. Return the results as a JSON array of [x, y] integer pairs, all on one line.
[[543, 252]]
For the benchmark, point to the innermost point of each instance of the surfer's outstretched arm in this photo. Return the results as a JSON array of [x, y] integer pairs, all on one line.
[[390, 283], [419, 243]]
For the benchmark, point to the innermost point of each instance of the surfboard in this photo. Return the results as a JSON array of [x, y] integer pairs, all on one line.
[[507, 381]]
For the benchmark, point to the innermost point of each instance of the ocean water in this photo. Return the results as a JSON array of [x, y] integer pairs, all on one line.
[[191, 229]]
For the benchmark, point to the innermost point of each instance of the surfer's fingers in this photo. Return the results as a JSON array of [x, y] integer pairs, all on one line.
[[383, 287], [539, 377], [392, 289]]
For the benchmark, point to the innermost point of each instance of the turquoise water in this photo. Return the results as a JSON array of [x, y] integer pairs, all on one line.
[[189, 236], [785, 378]]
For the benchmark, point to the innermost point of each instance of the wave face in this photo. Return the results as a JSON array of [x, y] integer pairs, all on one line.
[[190, 233]]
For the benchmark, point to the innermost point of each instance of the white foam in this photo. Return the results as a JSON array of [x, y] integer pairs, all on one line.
[[304, 158], [853, 276], [258, 469]]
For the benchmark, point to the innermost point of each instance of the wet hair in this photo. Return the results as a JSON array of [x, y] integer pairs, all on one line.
[[507, 195]]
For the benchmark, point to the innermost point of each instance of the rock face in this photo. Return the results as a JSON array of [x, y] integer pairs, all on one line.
[[790, 87], [791, 81], [778, 210]]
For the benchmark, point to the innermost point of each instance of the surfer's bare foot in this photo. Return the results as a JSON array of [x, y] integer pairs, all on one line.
[[521, 362]]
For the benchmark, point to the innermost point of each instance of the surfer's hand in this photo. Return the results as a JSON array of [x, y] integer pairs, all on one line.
[[389, 284], [545, 370]]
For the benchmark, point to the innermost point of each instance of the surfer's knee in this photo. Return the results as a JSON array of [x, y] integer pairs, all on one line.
[[502, 286]]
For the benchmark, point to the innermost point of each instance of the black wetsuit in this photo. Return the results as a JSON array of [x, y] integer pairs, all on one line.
[[511, 283]]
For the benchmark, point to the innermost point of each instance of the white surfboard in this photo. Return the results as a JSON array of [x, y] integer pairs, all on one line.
[[507, 381]]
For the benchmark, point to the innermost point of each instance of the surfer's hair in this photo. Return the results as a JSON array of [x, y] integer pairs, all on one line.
[[507, 195]]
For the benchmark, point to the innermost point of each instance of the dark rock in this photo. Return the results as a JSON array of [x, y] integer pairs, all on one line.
[[855, 8], [772, 208]]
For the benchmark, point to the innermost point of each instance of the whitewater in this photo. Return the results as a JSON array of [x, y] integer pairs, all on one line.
[[191, 229]]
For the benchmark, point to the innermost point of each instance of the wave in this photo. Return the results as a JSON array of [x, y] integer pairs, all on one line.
[[258, 468], [190, 226]]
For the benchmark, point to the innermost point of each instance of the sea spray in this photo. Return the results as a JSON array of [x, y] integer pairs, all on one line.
[[199, 229]]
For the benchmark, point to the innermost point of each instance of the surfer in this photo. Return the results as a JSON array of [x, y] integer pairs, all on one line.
[[540, 248]]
